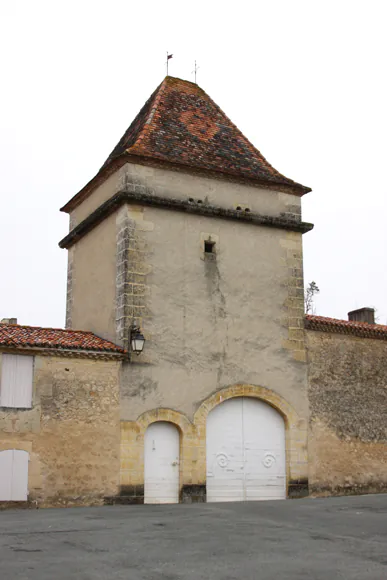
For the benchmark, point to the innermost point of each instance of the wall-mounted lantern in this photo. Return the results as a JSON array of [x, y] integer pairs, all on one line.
[[137, 340]]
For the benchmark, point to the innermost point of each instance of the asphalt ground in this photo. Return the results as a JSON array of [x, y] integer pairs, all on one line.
[[313, 539]]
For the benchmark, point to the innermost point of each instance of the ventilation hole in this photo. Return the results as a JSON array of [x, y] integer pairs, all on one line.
[[239, 208], [247, 209], [209, 247]]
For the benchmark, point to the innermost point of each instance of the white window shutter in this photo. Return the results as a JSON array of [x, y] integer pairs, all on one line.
[[23, 393], [6, 460], [20, 475], [16, 381], [8, 379], [14, 475]]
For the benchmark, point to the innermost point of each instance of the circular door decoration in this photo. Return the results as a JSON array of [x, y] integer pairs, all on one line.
[[222, 460], [268, 460]]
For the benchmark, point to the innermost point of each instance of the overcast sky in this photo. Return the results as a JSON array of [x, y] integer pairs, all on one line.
[[305, 81]]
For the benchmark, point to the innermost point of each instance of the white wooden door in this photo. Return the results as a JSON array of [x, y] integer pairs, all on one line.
[[161, 463], [13, 475], [245, 452]]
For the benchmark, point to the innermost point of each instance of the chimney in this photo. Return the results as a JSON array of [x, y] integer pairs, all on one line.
[[9, 321], [362, 315]]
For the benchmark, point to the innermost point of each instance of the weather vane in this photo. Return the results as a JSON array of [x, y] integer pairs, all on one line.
[[195, 71], [168, 57]]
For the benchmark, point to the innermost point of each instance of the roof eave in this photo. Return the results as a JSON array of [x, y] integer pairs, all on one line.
[[66, 351], [335, 326], [107, 170], [91, 185]]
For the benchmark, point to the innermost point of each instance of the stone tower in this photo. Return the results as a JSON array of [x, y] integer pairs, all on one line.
[[188, 232]]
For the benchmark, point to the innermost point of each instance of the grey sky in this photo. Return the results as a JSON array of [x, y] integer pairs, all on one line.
[[304, 80]]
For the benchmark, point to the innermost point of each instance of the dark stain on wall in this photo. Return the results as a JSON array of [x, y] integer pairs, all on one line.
[[143, 389]]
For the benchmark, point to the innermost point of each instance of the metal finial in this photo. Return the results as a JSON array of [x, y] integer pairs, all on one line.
[[168, 57], [195, 71]]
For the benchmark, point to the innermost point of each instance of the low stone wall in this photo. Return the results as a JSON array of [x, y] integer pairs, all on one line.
[[72, 432], [348, 410]]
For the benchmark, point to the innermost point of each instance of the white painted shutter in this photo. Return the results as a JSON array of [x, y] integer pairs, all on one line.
[[16, 380], [19, 475], [14, 475], [8, 379], [6, 460]]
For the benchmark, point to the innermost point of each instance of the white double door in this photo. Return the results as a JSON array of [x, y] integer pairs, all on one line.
[[245, 452], [161, 463]]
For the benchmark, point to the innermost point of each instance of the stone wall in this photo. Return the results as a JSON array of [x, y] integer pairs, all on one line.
[[72, 432], [348, 409], [93, 281], [210, 324]]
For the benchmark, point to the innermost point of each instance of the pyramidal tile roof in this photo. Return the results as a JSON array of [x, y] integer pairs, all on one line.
[[16, 335], [181, 125]]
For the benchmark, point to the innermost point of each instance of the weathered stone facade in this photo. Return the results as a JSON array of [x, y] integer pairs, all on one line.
[[72, 431], [212, 325], [348, 410]]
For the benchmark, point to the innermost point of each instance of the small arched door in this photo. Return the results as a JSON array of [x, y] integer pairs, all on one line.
[[245, 452], [161, 463], [14, 475]]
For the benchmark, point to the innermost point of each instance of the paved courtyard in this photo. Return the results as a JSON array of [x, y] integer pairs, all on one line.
[[313, 539]]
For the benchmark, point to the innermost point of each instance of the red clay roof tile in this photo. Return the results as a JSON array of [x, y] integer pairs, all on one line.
[[361, 329], [181, 125], [15, 335]]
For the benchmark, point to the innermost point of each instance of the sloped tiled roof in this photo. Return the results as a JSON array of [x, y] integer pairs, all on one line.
[[181, 125], [362, 329], [15, 335]]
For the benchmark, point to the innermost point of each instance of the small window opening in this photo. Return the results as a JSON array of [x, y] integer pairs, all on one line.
[[209, 247], [247, 209], [190, 199], [239, 208], [200, 201]]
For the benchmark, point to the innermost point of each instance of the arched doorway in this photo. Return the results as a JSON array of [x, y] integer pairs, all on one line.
[[245, 448], [161, 463]]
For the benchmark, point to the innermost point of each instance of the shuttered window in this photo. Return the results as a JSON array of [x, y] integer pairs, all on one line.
[[13, 475], [16, 381]]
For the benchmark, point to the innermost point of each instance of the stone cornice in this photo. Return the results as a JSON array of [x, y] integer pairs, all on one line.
[[135, 194], [67, 353], [115, 164]]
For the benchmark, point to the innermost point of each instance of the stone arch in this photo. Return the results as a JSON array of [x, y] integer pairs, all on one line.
[[178, 419], [295, 426], [242, 390]]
